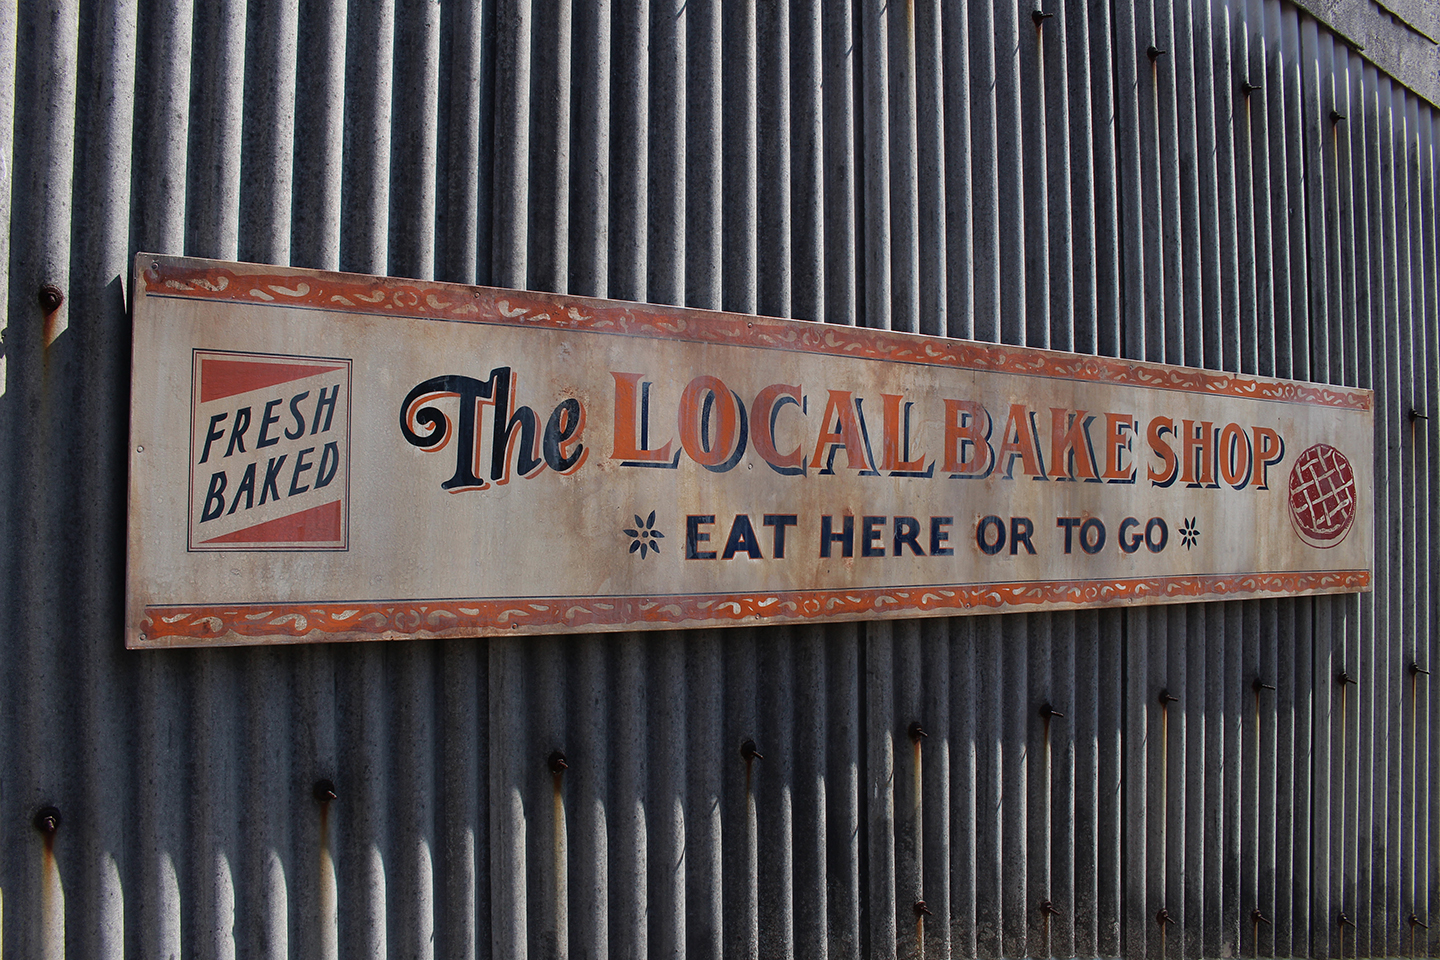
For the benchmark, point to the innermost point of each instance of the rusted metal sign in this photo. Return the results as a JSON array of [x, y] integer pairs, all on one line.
[[319, 456]]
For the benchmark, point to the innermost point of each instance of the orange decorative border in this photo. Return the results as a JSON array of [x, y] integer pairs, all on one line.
[[395, 620], [353, 293]]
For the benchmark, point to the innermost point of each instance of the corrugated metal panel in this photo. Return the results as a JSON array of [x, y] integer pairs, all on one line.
[[1220, 185]]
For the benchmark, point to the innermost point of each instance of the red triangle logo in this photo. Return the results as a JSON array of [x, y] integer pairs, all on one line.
[[225, 378], [322, 524]]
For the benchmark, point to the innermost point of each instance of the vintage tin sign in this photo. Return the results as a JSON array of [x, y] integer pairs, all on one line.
[[319, 456]]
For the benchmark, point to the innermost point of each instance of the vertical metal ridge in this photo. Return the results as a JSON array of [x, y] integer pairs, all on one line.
[[873, 153], [773, 145], [162, 116], [938, 858], [411, 139], [319, 136], [910, 732], [590, 151], [704, 148], [990, 755], [931, 131], [959, 180], [365, 170], [464, 143], [1136, 918], [630, 145], [1014, 775], [314, 752], [665, 274], [629, 851], [879, 736], [984, 172], [840, 158], [896, 169], [214, 812], [775, 790], [217, 80], [509, 863], [670, 795], [1201, 813], [1010, 174], [1069, 328], [543, 778], [711, 763], [807, 160], [1104, 111], [588, 783], [510, 209], [814, 792], [845, 904], [267, 135], [1177, 246], [461, 847], [964, 814], [105, 85], [548, 163], [1130, 195], [740, 860], [1031, 163], [739, 147], [265, 837]]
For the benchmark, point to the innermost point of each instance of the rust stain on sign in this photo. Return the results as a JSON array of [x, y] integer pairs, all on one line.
[[319, 456]]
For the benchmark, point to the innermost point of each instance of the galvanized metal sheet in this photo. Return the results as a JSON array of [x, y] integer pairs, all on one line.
[[326, 456]]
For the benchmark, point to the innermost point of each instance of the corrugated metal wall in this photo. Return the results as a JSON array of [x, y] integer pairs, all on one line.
[[1222, 184]]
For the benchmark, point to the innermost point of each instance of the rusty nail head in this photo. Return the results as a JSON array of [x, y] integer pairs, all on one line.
[[51, 297], [1336, 116], [1040, 17], [1417, 415], [1260, 684], [557, 762], [1047, 711], [47, 821], [1166, 698], [1048, 908], [917, 732], [1343, 678], [1415, 922], [1416, 669], [1249, 87], [748, 751], [1344, 921], [1154, 52], [324, 790], [1257, 917], [1162, 917], [921, 910]]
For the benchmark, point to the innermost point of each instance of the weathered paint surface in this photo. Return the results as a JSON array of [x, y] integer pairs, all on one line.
[[322, 456]]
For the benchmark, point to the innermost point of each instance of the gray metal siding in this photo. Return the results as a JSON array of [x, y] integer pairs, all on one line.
[[1221, 185]]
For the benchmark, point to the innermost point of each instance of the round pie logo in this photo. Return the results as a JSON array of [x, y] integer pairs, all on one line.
[[1322, 496]]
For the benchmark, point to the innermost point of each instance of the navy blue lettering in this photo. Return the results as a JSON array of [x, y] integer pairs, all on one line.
[[694, 537]]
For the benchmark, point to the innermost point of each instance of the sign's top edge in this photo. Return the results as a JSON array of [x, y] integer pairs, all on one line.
[[220, 280]]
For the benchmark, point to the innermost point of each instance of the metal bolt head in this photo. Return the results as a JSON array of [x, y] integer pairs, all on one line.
[[324, 790], [51, 297], [557, 762], [47, 821]]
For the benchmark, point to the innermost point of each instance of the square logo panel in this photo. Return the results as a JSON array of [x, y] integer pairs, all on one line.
[[269, 452]]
